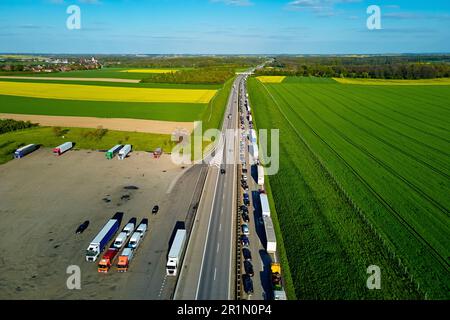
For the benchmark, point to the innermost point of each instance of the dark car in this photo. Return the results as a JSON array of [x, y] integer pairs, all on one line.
[[248, 267], [247, 254], [245, 241], [155, 209], [246, 202], [245, 217], [222, 171], [82, 227], [248, 284]]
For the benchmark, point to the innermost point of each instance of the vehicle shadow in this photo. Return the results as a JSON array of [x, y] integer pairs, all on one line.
[[257, 216], [265, 274], [254, 173]]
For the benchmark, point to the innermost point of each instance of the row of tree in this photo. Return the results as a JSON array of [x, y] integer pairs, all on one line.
[[378, 67], [195, 76], [9, 125]]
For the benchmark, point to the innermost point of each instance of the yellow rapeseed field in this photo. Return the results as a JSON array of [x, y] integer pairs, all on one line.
[[102, 93], [150, 70], [271, 79], [395, 82]]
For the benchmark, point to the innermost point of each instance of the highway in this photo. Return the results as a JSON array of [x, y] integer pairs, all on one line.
[[208, 269]]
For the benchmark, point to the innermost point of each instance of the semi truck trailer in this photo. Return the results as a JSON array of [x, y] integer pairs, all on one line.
[[111, 153], [264, 204], [102, 238], [260, 175], [123, 153], [59, 150], [22, 152], [271, 244], [129, 252], [175, 253], [125, 259]]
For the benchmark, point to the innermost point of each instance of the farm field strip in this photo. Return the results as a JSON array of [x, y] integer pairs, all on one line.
[[360, 154], [388, 123], [439, 256], [372, 132], [130, 125], [394, 82], [71, 79], [325, 238], [184, 112], [271, 79], [150, 70], [373, 107], [98, 93]]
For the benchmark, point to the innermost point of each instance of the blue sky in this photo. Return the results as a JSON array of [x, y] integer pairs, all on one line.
[[224, 26]]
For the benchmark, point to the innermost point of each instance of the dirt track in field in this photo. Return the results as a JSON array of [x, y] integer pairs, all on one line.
[[133, 125], [73, 79]]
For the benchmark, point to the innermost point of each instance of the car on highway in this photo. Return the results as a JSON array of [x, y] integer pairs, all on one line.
[[247, 254], [245, 217], [245, 241], [245, 229], [248, 267], [248, 284], [82, 227], [155, 209]]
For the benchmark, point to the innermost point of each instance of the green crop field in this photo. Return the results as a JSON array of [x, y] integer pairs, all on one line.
[[364, 180], [46, 137]]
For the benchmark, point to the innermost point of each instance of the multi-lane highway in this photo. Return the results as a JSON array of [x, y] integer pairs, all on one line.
[[208, 270]]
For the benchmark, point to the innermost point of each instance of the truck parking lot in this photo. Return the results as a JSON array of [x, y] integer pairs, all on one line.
[[44, 199]]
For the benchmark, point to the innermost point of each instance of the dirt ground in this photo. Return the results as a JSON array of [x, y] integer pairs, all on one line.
[[44, 198], [133, 125], [73, 79]]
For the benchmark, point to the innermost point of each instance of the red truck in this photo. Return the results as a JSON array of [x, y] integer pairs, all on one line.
[[107, 260]]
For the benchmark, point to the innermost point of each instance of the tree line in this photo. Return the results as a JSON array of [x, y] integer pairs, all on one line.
[[377, 67], [8, 125], [195, 76]]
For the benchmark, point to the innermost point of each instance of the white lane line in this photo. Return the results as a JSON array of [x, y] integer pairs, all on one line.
[[215, 271], [220, 227], [218, 246], [207, 234]]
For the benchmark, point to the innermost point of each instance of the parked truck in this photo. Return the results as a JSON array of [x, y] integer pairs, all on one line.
[[252, 136], [253, 148], [102, 238], [175, 253], [107, 260], [111, 153], [22, 152], [123, 153], [264, 204], [59, 150], [260, 175], [277, 286], [129, 252], [271, 244], [125, 259], [137, 236]]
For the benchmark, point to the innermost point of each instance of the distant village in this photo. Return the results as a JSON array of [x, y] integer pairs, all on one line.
[[32, 64]]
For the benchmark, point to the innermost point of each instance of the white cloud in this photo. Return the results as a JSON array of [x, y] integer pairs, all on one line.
[[322, 8], [237, 3]]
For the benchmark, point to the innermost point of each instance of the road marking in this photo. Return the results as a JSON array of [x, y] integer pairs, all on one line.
[[220, 227], [215, 271], [218, 246], [206, 243]]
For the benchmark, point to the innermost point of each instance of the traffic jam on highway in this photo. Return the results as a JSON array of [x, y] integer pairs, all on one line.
[[257, 245]]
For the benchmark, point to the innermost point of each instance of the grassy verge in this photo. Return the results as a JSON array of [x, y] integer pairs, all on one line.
[[46, 137]]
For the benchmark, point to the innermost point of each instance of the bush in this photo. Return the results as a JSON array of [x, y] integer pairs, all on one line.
[[9, 125]]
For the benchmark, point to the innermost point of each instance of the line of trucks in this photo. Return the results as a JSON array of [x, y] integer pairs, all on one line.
[[129, 240], [271, 241], [121, 151]]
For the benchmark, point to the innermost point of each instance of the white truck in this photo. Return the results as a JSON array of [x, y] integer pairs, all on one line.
[[252, 135], [260, 175], [137, 236], [123, 153], [271, 244], [59, 150], [175, 253], [254, 151], [102, 238], [264, 205]]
